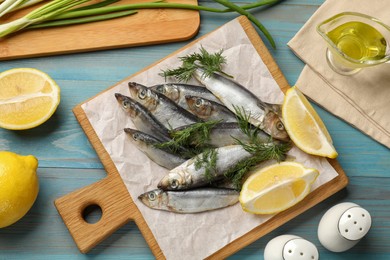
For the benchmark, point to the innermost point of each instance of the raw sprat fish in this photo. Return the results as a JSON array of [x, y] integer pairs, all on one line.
[[233, 96], [224, 134], [165, 110], [191, 201], [209, 110], [143, 120], [221, 152], [192, 174], [210, 167], [177, 92], [147, 144]]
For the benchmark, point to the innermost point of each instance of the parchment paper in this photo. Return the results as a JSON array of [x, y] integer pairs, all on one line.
[[192, 236]]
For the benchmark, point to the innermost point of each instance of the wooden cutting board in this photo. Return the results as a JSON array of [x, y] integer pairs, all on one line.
[[152, 26], [111, 195]]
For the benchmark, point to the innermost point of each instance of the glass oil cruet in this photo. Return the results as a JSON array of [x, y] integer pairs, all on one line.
[[355, 41]]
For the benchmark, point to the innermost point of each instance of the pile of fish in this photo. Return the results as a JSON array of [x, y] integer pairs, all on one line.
[[158, 110]]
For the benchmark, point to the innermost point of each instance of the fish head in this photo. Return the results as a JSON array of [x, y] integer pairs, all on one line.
[[276, 108], [171, 91], [143, 95], [274, 126], [127, 104], [136, 136], [199, 106], [140, 139], [153, 198], [173, 181]]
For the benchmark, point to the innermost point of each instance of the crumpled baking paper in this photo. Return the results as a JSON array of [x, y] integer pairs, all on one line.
[[192, 236]]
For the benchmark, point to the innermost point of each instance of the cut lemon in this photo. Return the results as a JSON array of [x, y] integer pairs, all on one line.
[[304, 125], [28, 97], [277, 187]]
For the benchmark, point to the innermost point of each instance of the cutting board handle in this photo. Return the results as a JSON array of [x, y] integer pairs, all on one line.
[[111, 195]]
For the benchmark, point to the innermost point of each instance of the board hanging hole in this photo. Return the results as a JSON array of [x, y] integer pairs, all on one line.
[[92, 213]]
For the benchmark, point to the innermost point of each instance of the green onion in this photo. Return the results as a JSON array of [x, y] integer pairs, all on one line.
[[253, 19], [230, 8], [154, 5], [62, 12], [41, 14], [8, 6], [82, 20]]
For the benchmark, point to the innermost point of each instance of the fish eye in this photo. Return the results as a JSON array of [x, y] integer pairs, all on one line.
[[174, 184], [152, 196], [280, 126], [161, 89], [125, 104], [136, 136], [198, 102], [142, 94]]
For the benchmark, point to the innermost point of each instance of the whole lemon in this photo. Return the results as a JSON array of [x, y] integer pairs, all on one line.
[[19, 186]]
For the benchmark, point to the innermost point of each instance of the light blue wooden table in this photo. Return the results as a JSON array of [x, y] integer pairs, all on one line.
[[67, 161]]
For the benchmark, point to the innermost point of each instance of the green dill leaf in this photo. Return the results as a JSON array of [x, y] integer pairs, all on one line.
[[209, 62], [192, 138], [208, 161]]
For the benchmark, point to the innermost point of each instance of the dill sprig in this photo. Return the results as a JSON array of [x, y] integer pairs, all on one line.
[[208, 161], [210, 63], [243, 120], [193, 138]]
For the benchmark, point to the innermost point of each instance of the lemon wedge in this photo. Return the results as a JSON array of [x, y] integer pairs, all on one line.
[[28, 98], [277, 187], [304, 125]]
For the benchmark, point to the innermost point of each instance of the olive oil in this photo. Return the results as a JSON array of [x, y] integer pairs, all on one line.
[[359, 41]]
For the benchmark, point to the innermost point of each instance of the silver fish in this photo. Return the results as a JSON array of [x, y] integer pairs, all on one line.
[[191, 201], [146, 143], [233, 96], [188, 175], [143, 120], [177, 92], [165, 110], [209, 110], [224, 134]]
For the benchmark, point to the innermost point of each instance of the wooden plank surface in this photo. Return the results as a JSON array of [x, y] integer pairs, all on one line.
[[67, 161], [153, 26], [111, 195]]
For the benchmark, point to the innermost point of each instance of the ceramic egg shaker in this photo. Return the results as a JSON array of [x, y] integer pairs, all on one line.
[[342, 226], [290, 247]]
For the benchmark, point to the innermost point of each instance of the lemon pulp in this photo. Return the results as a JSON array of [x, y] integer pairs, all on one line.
[[28, 98], [277, 187], [304, 125]]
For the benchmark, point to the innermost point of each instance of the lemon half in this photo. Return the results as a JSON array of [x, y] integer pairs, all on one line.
[[304, 125], [28, 98], [277, 187]]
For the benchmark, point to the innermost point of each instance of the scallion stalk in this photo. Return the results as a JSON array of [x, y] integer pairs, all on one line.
[[43, 13], [9, 5], [62, 12], [250, 16], [82, 20]]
